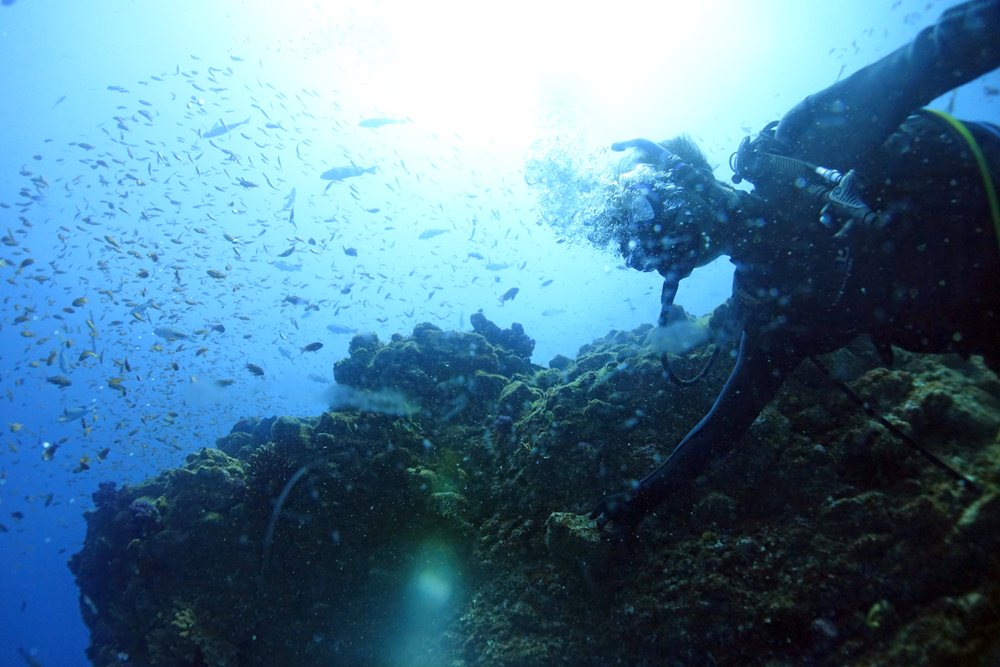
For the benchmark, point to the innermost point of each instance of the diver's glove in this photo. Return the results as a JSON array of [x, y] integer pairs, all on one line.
[[626, 509]]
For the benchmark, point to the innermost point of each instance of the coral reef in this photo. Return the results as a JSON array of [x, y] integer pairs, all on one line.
[[822, 539]]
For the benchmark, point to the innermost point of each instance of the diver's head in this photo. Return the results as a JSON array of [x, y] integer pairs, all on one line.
[[661, 209], [667, 227], [673, 212]]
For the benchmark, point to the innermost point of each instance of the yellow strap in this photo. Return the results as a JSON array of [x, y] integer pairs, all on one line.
[[984, 169]]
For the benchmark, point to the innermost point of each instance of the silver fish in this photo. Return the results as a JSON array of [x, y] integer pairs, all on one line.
[[285, 266], [221, 128], [74, 413], [169, 332], [378, 122], [350, 171]]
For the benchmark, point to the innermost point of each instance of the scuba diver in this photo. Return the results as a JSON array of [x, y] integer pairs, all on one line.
[[868, 215]]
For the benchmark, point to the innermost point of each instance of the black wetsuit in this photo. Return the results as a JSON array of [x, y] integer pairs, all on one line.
[[929, 281]]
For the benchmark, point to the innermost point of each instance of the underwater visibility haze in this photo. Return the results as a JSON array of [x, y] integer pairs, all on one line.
[[313, 350]]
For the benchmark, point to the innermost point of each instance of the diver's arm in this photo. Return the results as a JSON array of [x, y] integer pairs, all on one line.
[[836, 126], [751, 385]]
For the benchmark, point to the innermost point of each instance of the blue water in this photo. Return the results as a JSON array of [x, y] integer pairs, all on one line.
[[477, 87]]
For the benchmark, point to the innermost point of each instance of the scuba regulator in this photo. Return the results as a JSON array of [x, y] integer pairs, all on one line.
[[762, 162]]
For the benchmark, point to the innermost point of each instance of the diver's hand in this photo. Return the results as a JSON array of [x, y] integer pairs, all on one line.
[[663, 157], [626, 509]]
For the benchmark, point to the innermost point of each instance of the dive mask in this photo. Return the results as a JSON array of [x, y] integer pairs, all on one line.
[[662, 235]]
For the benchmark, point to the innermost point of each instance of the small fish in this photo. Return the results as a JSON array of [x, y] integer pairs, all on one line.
[[431, 233], [255, 370], [59, 381], [546, 283], [224, 383], [378, 122], [49, 452], [318, 378], [339, 329], [951, 102], [351, 252], [287, 252], [509, 295], [216, 274], [311, 347]]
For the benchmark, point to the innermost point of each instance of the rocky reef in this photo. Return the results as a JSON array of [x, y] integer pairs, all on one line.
[[454, 531]]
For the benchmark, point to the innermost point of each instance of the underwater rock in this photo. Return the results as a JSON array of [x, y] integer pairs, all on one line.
[[559, 362], [106, 494], [517, 397], [144, 516], [245, 437], [504, 424], [449, 374], [820, 539], [514, 340], [290, 435], [574, 539]]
